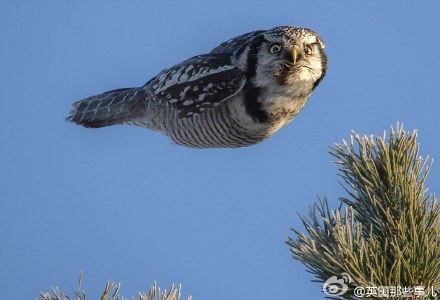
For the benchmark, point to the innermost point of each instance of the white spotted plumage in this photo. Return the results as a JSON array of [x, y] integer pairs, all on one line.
[[237, 95]]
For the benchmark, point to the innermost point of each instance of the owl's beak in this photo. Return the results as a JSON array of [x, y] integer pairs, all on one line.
[[294, 55]]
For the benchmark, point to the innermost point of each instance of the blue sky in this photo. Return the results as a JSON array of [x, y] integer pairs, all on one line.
[[124, 204]]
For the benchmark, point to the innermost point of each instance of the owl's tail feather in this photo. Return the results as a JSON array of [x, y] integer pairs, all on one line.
[[110, 108]]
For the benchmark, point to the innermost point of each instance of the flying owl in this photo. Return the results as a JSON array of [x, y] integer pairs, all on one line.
[[237, 95]]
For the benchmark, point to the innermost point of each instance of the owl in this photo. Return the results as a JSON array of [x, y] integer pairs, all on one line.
[[237, 95]]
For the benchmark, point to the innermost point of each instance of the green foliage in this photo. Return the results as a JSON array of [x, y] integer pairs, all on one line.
[[388, 234], [111, 292]]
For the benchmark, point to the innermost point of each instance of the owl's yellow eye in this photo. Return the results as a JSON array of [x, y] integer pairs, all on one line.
[[275, 48], [308, 49]]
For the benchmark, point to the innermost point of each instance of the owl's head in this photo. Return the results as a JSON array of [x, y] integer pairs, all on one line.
[[285, 55]]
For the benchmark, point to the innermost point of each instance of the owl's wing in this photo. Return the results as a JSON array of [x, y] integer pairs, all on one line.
[[235, 43], [197, 84]]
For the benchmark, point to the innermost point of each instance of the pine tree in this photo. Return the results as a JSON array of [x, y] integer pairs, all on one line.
[[111, 292], [384, 239]]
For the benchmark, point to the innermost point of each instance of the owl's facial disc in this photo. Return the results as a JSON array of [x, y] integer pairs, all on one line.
[[301, 61], [290, 56]]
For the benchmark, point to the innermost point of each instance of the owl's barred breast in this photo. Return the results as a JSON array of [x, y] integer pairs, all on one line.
[[225, 126]]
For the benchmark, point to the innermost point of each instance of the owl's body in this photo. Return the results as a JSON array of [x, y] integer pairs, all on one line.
[[239, 94]]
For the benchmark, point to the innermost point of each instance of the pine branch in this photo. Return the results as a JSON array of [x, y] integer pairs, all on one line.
[[111, 292], [389, 232]]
